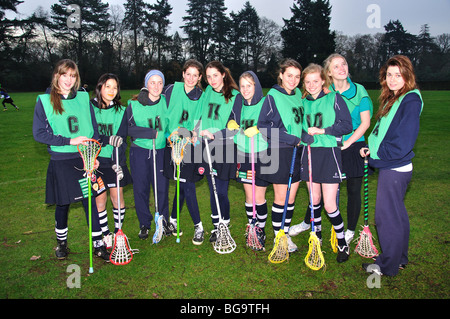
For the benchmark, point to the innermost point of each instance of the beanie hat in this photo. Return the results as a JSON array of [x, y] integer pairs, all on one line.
[[152, 73]]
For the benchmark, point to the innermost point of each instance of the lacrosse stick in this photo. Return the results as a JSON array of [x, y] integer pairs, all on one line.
[[178, 143], [89, 150], [224, 243], [365, 246], [252, 230], [158, 219], [121, 253], [280, 251], [314, 258], [333, 238]]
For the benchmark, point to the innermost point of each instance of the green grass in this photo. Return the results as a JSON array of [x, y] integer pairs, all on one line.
[[173, 271]]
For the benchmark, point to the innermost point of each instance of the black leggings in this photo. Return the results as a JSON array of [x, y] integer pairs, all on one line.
[[353, 201]]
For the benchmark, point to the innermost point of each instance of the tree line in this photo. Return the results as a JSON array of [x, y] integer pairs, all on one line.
[[130, 39]]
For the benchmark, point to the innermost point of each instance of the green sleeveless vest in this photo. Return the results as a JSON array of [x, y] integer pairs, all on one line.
[[381, 127], [151, 116], [183, 112], [320, 113], [108, 121], [215, 112], [75, 120], [249, 118], [290, 108]]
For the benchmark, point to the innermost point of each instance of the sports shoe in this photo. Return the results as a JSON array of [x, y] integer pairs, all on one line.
[[62, 250], [292, 248], [101, 252], [108, 240], [143, 233], [372, 269], [198, 235], [297, 229], [343, 253], [171, 229], [213, 236], [402, 266], [349, 234]]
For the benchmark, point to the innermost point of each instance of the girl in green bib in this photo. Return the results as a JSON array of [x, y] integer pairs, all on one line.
[[243, 120], [217, 102], [390, 149], [326, 119], [112, 126], [184, 108], [64, 118], [279, 122], [147, 124]]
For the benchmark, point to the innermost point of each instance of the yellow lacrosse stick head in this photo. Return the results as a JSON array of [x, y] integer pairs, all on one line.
[[280, 251]]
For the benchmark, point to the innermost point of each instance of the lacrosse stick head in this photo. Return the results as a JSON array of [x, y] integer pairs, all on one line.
[[254, 236], [177, 143], [89, 150], [280, 251], [121, 253], [224, 243], [159, 221], [314, 258], [365, 247], [333, 240]]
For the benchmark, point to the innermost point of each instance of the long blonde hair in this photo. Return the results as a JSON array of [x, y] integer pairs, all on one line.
[[387, 97], [327, 64], [312, 68], [62, 67]]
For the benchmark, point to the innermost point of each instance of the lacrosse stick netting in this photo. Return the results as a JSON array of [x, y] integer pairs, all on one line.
[[224, 243], [89, 150], [178, 143], [121, 253], [365, 246], [314, 258], [253, 233], [280, 251]]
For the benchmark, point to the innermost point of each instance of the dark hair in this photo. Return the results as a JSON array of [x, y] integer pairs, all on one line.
[[228, 82], [98, 91], [387, 97], [287, 63]]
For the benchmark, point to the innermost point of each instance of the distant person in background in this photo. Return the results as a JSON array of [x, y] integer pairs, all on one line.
[[7, 99], [390, 149]]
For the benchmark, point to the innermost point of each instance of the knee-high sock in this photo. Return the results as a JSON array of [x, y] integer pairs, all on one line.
[[116, 218], [249, 211], [61, 216], [261, 214], [103, 219], [277, 216], [317, 220], [288, 219], [338, 224]]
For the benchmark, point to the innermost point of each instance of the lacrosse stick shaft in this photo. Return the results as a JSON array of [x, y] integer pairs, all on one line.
[[253, 177], [311, 199], [91, 267], [288, 191], [178, 203], [155, 187], [118, 189], [366, 192], [213, 180]]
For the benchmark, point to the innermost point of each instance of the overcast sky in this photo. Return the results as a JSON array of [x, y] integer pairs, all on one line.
[[348, 16]]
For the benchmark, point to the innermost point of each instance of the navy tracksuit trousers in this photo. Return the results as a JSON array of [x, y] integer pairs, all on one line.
[[392, 220]]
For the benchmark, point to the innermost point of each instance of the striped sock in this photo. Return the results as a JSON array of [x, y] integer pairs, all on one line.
[[318, 220], [116, 218], [277, 216], [61, 234], [249, 211], [289, 214], [261, 214], [338, 224], [103, 219]]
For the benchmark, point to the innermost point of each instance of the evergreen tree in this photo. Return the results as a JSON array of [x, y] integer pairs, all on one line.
[[306, 35], [161, 10]]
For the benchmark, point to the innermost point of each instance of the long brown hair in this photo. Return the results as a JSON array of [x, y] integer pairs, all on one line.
[[387, 97], [287, 63], [228, 82], [327, 65], [62, 67]]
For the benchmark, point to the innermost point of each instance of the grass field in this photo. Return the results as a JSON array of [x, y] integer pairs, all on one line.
[[29, 269]]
